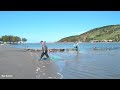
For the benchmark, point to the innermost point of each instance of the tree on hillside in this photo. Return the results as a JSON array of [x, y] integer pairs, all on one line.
[[10, 38], [117, 37], [13, 39], [17, 39], [0, 39], [24, 39], [5, 38]]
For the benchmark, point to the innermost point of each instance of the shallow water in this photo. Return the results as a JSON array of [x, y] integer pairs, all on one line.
[[94, 65]]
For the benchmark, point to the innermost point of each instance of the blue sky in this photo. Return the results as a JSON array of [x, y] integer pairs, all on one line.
[[53, 25]]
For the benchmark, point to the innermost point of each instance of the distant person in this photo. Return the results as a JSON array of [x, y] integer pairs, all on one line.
[[76, 46], [44, 50]]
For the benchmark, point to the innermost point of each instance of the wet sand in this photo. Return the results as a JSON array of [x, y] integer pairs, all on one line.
[[22, 64]]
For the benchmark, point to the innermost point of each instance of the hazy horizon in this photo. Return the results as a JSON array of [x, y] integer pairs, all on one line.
[[52, 26]]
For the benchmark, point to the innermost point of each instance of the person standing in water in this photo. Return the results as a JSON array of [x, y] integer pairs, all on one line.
[[44, 50], [76, 46]]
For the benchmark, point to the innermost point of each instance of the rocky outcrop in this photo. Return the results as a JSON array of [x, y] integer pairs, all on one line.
[[50, 50]]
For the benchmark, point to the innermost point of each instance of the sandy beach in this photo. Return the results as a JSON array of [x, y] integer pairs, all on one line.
[[21, 64]]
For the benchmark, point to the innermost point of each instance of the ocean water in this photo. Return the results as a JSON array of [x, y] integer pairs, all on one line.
[[102, 62]]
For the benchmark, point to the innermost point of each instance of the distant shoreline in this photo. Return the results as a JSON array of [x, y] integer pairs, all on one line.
[[58, 42]]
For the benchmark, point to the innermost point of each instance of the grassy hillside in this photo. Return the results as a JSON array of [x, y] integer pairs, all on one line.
[[111, 32]]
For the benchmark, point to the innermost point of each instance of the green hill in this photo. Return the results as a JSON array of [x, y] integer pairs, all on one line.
[[111, 33]]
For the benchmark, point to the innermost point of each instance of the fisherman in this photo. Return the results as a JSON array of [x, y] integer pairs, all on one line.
[[76, 46], [44, 50]]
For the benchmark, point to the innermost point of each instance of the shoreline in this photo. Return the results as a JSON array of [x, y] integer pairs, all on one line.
[[58, 43]]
